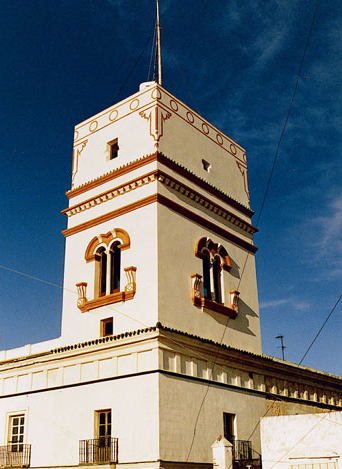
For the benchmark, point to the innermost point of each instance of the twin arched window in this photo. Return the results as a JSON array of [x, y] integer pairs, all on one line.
[[214, 259], [105, 250]]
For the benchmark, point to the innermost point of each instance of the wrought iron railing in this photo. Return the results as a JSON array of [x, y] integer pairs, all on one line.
[[99, 450], [15, 455], [242, 450]]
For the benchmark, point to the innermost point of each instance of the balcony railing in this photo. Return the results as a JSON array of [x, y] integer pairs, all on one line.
[[242, 450], [99, 450], [15, 455]]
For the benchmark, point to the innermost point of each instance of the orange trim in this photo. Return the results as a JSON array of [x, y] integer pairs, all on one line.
[[110, 176], [159, 157], [110, 215], [214, 248], [179, 186], [206, 223], [111, 121], [237, 221], [203, 184], [106, 300], [168, 203], [107, 238], [218, 308], [113, 107], [116, 188]]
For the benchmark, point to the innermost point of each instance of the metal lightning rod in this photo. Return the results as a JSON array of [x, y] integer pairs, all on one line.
[[160, 80]]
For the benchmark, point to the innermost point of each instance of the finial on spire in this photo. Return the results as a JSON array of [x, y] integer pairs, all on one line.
[[158, 48]]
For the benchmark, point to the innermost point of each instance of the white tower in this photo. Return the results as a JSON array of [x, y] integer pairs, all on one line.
[[159, 225]]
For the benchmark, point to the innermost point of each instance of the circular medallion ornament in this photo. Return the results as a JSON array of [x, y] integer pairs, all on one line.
[[76, 135], [205, 129], [219, 139], [244, 157], [233, 149], [174, 105], [113, 115], [190, 117], [134, 104], [93, 126], [156, 94]]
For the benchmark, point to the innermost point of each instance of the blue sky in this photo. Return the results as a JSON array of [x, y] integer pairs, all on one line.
[[61, 62]]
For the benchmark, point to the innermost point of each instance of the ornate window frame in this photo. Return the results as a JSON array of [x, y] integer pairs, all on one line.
[[209, 292], [104, 243]]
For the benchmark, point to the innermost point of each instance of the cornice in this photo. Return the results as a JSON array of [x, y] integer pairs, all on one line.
[[127, 168], [174, 184], [110, 194], [110, 215], [167, 203], [160, 158], [270, 377]]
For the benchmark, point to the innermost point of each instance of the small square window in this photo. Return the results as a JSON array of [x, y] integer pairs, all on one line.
[[113, 147], [206, 166], [106, 327]]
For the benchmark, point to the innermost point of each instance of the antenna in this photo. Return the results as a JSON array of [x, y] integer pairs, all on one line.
[[158, 48], [282, 345]]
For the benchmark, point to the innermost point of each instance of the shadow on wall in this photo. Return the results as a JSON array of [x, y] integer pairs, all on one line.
[[241, 323]]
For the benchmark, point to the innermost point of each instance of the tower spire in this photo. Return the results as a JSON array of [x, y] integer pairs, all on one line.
[[158, 48]]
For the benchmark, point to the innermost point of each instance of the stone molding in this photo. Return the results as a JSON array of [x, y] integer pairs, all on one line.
[[168, 181], [160, 348]]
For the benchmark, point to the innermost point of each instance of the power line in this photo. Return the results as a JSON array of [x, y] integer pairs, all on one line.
[[133, 67], [267, 188], [181, 75], [320, 329]]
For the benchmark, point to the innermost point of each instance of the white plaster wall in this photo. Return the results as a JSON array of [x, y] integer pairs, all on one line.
[[301, 439], [131, 130], [180, 401], [176, 245], [167, 130], [141, 311], [58, 419]]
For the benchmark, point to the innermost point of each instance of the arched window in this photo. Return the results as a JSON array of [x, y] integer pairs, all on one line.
[[115, 264], [104, 250], [206, 274]]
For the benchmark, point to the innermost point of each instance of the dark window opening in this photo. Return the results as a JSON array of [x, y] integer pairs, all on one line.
[[228, 427], [206, 276], [206, 166], [106, 327], [103, 271], [113, 149], [115, 265], [217, 281]]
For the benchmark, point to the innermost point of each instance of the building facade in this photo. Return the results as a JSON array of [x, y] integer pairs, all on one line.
[[160, 348]]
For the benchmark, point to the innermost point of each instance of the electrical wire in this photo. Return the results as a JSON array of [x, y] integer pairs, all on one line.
[[133, 67], [267, 186], [320, 329], [181, 75], [152, 50]]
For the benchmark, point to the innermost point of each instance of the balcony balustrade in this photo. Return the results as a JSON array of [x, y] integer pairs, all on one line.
[[99, 450], [15, 455], [242, 450]]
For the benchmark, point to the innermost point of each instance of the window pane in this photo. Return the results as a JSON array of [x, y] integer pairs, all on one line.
[[22, 420], [16, 421], [102, 418], [115, 258], [109, 328], [206, 277]]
